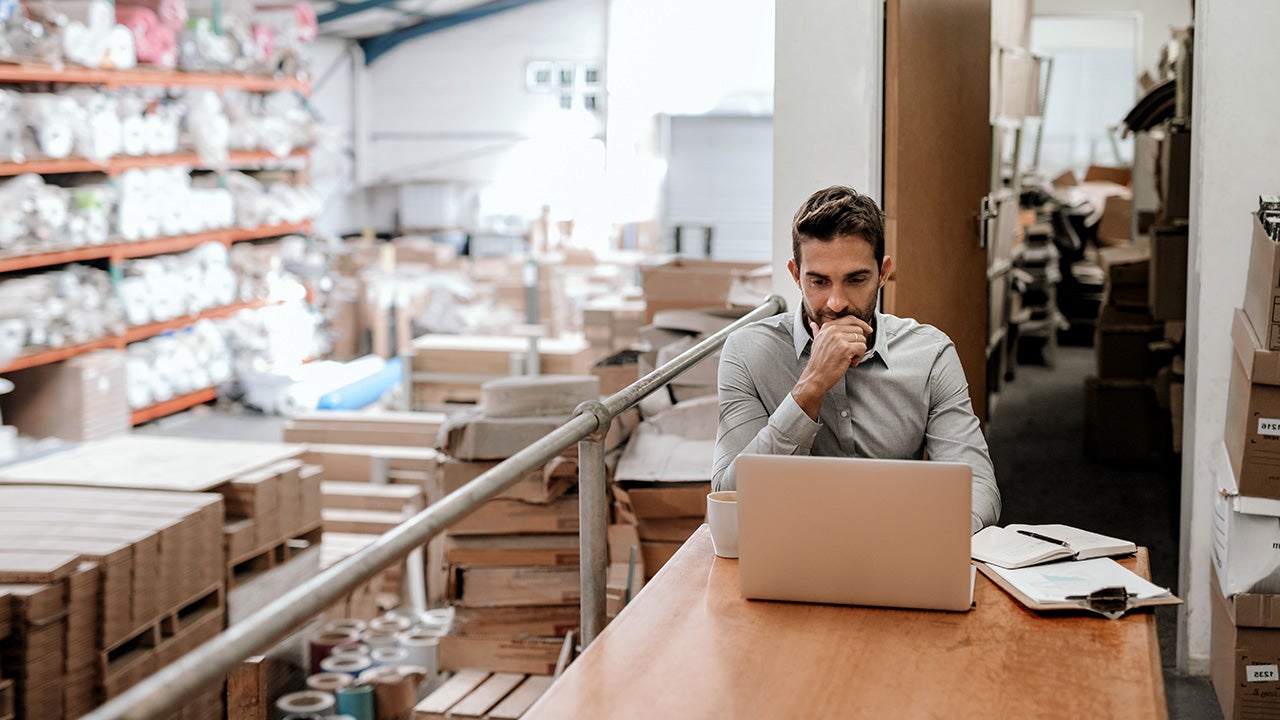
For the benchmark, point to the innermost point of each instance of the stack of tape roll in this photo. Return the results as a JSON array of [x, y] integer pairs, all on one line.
[[306, 701], [357, 701], [379, 638], [323, 643], [420, 648], [390, 622], [388, 656], [349, 664], [328, 682], [351, 625]]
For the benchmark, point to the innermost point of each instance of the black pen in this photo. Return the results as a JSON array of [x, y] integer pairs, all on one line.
[[1038, 536]]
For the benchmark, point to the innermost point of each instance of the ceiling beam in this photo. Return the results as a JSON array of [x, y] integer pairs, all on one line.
[[375, 47], [347, 9]]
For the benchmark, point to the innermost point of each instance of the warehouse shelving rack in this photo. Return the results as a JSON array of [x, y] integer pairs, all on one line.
[[116, 252]]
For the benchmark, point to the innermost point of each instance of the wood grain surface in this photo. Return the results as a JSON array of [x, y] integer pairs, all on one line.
[[690, 646]]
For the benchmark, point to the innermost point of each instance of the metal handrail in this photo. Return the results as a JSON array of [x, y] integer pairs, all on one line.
[[185, 678]]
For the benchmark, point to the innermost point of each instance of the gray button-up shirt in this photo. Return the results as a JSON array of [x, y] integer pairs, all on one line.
[[906, 397]]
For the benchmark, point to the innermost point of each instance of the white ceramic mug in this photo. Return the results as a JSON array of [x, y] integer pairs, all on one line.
[[722, 515]]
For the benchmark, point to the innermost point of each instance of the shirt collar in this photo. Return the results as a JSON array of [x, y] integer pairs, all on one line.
[[800, 336]]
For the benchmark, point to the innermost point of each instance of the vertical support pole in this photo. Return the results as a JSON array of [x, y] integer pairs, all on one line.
[[593, 522], [406, 378]]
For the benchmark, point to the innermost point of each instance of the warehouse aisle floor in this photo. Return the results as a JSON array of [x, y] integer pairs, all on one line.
[[1036, 438]]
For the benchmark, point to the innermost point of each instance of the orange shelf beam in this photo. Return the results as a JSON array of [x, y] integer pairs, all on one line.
[[173, 405], [148, 77], [120, 163], [145, 248], [134, 334]]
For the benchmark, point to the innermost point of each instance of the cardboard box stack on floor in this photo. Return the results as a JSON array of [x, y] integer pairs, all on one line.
[[379, 469], [1245, 642], [663, 478], [1139, 369], [453, 367], [82, 398], [107, 586], [611, 324], [671, 333], [513, 563]]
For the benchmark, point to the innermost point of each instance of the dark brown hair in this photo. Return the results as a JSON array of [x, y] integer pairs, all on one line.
[[834, 212]]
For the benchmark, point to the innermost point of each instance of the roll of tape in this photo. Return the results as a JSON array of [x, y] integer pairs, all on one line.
[[379, 638], [394, 623], [351, 648], [356, 701], [306, 701], [348, 664], [328, 682], [389, 656], [354, 625], [323, 643], [420, 648]]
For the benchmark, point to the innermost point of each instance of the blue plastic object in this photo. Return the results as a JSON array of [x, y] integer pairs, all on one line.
[[364, 391]]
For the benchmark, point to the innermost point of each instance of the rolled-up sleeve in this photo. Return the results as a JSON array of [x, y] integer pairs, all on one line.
[[746, 425], [953, 434]]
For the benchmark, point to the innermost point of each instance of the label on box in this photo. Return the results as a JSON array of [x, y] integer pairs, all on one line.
[[1269, 426], [1261, 673]]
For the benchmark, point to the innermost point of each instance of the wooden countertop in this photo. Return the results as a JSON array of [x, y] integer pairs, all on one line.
[[689, 646]]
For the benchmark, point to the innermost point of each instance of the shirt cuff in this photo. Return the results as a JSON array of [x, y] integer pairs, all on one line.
[[795, 425]]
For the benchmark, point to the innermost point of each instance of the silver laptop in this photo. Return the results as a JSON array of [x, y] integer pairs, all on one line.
[[849, 531]]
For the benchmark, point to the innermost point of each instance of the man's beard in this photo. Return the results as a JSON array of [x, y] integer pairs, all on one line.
[[868, 316]]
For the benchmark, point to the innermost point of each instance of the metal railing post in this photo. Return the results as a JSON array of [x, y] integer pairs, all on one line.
[[593, 522]]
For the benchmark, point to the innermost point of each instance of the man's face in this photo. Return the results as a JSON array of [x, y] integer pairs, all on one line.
[[839, 278]]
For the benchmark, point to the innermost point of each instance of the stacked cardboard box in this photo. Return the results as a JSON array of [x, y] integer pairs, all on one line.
[[671, 333], [679, 283], [389, 428], [455, 366], [82, 398], [1246, 534], [513, 563], [611, 324], [116, 584], [663, 478], [1128, 403]]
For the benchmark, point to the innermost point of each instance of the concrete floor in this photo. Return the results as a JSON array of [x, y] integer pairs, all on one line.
[[1036, 439], [1035, 434]]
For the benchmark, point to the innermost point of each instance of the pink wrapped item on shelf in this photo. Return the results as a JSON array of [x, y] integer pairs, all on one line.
[[171, 13], [156, 43]]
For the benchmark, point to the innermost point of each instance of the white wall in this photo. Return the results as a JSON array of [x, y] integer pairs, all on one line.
[[335, 69], [1234, 146], [451, 105], [1157, 17], [827, 108]]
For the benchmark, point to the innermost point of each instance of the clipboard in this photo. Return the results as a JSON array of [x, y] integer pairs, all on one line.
[[1110, 602]]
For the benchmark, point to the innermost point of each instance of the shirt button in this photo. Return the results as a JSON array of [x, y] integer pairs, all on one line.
[[844, 413]]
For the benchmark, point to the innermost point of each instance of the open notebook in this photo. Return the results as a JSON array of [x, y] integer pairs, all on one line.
[[1016, 546]]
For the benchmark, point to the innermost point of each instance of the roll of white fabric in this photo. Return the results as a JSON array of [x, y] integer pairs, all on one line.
[[135, 296], [133, 134], [11, 126], [121, 53], [157, 134], [137, 386], [52, 119]]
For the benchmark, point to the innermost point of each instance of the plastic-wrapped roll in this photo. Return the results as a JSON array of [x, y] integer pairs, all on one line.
[[306, 701], [379, 638], [171, 13], [157, 134], [133, 135], [52, 119], [11, 125], [121, 53]]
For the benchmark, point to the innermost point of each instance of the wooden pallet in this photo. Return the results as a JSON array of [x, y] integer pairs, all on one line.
[[172, 635], [246, 567], [481, 694]]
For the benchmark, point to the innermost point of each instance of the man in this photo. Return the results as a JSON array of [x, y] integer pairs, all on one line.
[[840, 378]]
